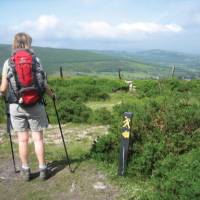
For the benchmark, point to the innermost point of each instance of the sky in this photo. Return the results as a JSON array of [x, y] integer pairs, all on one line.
[[130, 25]]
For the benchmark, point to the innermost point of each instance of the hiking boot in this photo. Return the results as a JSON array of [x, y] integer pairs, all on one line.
[[43, 174], [26, 174]]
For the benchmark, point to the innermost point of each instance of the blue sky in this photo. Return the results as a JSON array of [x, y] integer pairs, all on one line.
[[104, 24]]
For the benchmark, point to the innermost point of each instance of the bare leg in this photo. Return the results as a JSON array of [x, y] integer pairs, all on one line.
[[39, 147], [23, 147]]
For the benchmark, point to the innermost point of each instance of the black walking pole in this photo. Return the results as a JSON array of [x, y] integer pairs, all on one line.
[[9, 133], [67, 157]]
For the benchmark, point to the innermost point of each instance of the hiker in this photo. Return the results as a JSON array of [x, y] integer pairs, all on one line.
[[23, 84]]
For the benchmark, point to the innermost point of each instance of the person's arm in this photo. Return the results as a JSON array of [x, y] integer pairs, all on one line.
[[49, 91], [4, 81], [4, 84]]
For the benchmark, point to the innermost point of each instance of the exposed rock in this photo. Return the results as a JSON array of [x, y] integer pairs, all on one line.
[[99, 186]]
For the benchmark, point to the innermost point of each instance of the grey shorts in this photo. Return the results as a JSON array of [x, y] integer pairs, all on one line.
[[28, 118]]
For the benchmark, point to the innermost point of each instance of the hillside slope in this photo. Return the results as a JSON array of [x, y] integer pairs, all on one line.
[[155, 63]]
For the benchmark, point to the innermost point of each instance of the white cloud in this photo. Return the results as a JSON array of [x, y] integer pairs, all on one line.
[[44, 23], [49, 27], [174, 27], [96, 29], [147, 27], [47, 22], [124, 31]]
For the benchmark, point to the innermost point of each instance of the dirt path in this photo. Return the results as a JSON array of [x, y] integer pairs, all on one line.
[[86, 183]]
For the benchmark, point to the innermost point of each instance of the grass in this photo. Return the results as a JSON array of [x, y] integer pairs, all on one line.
[[109, 104], [115, 99], [132, 188]]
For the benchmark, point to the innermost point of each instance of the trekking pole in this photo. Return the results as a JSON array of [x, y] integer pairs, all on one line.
[[9, 133], [63, 140]]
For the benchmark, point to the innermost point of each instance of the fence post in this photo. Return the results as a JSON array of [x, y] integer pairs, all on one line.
[[173, 70], [119, 72], [46, 77], [61, 72], [124, 144]]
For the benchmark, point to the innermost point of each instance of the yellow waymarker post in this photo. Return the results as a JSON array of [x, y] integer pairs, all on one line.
[[124, 146]]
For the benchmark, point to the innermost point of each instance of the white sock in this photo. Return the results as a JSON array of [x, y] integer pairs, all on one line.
[[42, 166], [25, 166]]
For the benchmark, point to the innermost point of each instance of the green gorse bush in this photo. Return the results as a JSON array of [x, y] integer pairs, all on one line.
[[166, 141]]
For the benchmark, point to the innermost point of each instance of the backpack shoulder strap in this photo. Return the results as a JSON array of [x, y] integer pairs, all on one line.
[[13, 72]]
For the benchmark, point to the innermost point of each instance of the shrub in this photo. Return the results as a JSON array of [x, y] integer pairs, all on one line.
[[71, 111], [147, 88], [106, 148], [102, 116], [71, 95], [178, 177], [166, 137]]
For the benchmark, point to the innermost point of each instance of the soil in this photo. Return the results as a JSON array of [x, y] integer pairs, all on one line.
[[85, 183]]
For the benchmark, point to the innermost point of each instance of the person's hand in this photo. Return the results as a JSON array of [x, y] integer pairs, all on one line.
[[53, 96], [1, 94]]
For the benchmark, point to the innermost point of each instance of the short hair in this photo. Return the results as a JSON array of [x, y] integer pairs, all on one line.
[[22, 41]]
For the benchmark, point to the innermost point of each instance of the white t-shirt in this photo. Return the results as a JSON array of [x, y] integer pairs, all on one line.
[[5, 68]]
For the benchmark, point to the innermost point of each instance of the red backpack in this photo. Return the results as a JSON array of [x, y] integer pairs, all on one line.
[[28, 77]]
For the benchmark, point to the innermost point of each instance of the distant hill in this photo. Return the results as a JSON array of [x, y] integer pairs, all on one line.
[[146, 64], [52, 58], [169, 58], [187, 65], [162, 57]]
